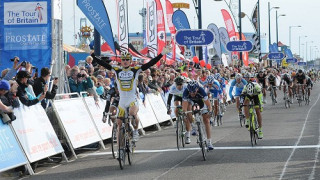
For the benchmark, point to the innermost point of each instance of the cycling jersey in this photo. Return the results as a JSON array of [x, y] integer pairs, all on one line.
[[239, 87], [199, 98], [272, 80], [300, 78], [256, 96], [262, 80], [215, 89], [176, 92]]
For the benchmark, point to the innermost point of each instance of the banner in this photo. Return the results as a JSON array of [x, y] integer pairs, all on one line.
[[254, 18], [216, 43], [97, 14], [123, 28], [152, 37], [224, 39], [25, 31], [11, 154], [234, 8], [229, 25], [161, 29], [171, 27], [288, 53], [35, 132]]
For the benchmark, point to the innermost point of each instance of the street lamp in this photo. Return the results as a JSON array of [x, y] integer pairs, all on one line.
[[277, 27], [307, 48], [290, 34], [269, 10], [299, 43]]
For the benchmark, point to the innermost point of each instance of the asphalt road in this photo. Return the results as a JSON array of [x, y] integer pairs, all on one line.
[[289, 150]]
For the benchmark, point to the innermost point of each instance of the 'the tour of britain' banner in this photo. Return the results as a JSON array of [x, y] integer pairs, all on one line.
[[25, 31]]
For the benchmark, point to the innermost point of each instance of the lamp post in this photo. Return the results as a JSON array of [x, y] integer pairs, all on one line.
[[269, 10], [277, 17], [300, 44], [290, 34], [307, 49]]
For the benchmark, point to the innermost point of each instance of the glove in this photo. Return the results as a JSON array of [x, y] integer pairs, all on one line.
[[165, 50]]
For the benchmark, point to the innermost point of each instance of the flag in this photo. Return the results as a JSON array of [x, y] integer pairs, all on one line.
[[171, 26], [254, 18], [123, 29], [216, 43], [161, 29], [152, 37]]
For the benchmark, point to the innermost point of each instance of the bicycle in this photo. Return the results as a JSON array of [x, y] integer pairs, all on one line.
[[307, 97], [220, 113], [113, 132], [180, 129], [286, 98], [253, 123], [242, 118], [126, 144], [201, 139], [299, 94], [272, 94]]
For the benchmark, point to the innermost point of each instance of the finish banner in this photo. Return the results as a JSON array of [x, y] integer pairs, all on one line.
[[123, 28], [97, 14], [25, 31], [152, 38], [172, 28]]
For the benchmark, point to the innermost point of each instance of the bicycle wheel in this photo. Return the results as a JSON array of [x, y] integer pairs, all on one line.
[[241, 119], [252, 131], [114, 139], [121, 148], [178, 135], [182, 132], [201, 141], [130, 150]]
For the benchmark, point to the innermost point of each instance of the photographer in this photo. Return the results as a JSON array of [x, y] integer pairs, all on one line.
[[22, 80], [10, 98], [79, 82], [9, 73], [4, 88], [40, 83]]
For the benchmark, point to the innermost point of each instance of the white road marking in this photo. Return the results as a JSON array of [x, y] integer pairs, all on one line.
[[40, 172], [298, 141], [311, 177], [56, 166]]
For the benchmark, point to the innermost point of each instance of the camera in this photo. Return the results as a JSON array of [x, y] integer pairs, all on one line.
[[14, 58], [80, 75]]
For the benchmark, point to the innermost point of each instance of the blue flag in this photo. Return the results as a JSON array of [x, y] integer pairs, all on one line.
[[98, 16]]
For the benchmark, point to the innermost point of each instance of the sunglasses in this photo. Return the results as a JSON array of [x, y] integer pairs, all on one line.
[[126, 59]]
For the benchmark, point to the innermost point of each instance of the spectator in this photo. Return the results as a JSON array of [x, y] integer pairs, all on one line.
[[68, 69], [79, 81], [24, 96], [110, 75], [8, 74], [4, 88], [40, 83], [154, 83], [10, 98]]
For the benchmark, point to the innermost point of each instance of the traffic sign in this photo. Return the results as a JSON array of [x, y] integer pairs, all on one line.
[[302, 63], [188, 37], [235, 57], [187, 54], [276, 56], [292, 60], [239, 46]]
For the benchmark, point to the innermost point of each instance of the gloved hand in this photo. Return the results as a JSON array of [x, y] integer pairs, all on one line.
[[165, 50]]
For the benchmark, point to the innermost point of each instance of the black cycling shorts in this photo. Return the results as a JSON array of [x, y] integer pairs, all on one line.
[[255, 98], [115, 103], [177, 98]]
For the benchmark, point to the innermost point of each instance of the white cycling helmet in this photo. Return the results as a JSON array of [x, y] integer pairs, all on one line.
[[238, 76]]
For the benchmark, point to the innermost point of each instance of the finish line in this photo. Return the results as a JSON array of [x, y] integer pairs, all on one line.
[[215, 148]]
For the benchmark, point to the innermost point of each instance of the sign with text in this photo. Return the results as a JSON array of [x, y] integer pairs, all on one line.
[[292, 60], [278, 56], [77, 122], [239, 46], [181, 5], [194, 37], [187, 54], [11, 155], [302, 63], [35, 132]]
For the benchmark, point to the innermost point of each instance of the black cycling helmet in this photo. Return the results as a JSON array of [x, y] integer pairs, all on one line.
[[178, 80], [271, 76], [300, 71]]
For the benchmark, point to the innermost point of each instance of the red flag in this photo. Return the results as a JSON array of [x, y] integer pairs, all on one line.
[[161, 30], [229, 25], [171, 28], [245, 55]]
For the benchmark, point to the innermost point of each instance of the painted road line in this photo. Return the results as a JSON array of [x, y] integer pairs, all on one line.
[[315, 159], [298, 141]]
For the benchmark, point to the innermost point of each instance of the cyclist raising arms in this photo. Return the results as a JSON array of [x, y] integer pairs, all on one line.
[[194, 93], [261, 79], [252, 91], [239, 83], [126, 79]]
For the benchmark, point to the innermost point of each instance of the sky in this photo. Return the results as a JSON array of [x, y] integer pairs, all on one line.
[[305, 13]]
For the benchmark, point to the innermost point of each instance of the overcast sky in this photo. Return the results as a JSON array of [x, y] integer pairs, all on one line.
[[298, 12]]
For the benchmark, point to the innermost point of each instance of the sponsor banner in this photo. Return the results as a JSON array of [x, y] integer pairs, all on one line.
[[171, 27], [254, 17], [145, 113], [229, 25], [161, 29], [97, 113], [158, 106], [152, 38], [35, 132], [11, 154], [224, 39], [216, 42], [123, 28], [77, 122], [288, 53], [96, 12], [25, 31]]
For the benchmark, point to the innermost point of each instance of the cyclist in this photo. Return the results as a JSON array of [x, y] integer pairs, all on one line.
[[252, 91], [286, 81], [176, 90], [239, 83], [126, 79], [272, 84], [222, 82], [309, 84], [261, 79], [194, 93], [300, 80], [214, 91], [113, 100]]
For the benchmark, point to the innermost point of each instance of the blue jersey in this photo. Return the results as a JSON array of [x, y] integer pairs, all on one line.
[[222, 83], [239, 87], [215, 89], [201, 95]]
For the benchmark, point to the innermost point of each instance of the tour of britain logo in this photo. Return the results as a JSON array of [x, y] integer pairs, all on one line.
[[17, 13]]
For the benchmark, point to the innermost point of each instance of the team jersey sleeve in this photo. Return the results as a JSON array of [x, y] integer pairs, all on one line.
[[203, 93], [233, 82], [244, 82], [185, 95], [151, 62]]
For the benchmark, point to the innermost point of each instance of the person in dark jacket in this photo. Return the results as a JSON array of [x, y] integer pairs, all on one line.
[[41, 82], [22, 80]]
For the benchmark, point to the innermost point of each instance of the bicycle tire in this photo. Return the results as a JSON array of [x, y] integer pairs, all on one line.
[[241, 120], [130, 151], [178, 136], [201, 142], [113, 140], [182, 133], [121, 148], [252, 131]]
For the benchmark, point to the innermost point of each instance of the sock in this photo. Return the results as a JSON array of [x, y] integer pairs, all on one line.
[[188, 133]]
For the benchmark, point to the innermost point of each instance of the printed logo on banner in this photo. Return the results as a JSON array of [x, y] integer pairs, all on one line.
[[122, 20], [17, 13], [29, 38], [152, 27]]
